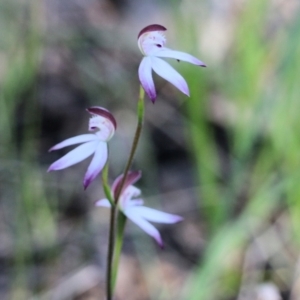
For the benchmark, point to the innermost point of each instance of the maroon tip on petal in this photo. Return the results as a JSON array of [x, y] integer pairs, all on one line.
[[160, 242], [86, 183], [100, 111], [153, 27], [161, 246], [152, 98], [51, 149], [131, 178]]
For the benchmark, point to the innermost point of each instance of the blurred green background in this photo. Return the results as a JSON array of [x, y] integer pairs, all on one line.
[[227, 158]]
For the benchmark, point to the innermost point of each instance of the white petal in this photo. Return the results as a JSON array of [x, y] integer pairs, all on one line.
[[83, 138], [103, 203], [144, 225], [154, 215], [164, 70], [97, 164], [129, 193], [165, 52], [103, 112], [145, 75], [75, 156], [131, 178], [149, 43], [104, 125], [135, 202]]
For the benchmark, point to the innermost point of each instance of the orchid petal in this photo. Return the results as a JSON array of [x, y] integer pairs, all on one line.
[[83, 138], [131, 178], [144, 225], [127, 195], [103, 112], [135, 202], [165, 52], [152, 27], [145, 75], [97, 164], [154, 215], [167, 72], [75, 156], [103, 203]]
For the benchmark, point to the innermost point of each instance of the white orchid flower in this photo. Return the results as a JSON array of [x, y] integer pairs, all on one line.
[[151, 41], [132, 207], [92, 143]]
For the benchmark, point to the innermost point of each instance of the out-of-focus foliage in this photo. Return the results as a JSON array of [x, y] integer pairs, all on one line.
[[227, 158]]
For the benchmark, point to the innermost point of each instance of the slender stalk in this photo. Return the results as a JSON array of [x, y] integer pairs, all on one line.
[[105, 185], [140, 113], [108, 195], [112, 268], [121, 222], [110, 253]]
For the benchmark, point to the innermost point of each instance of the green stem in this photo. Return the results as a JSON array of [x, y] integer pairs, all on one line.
[[112, 260], [121, 222], [105, 185], [110, 253], [140, 114], [108, 195]]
